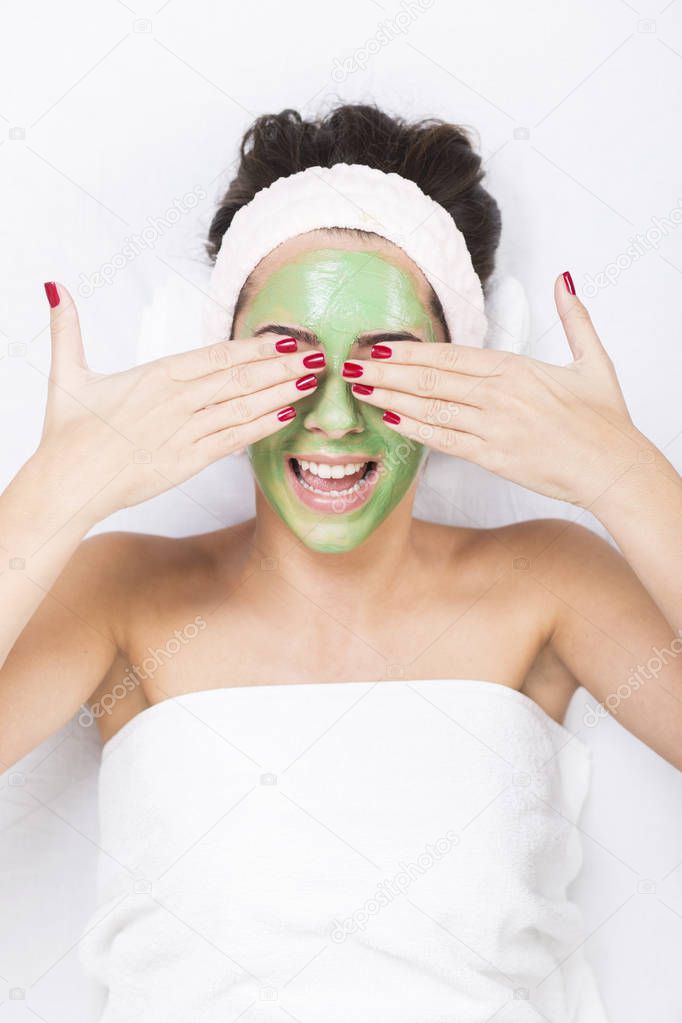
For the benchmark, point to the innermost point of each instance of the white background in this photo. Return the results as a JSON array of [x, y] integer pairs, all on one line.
[[110, 112]]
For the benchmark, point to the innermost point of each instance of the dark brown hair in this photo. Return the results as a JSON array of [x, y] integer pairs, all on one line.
[[436, 155]]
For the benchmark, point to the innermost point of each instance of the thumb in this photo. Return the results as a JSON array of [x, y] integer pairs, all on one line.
[[582, 338], [65, 331]]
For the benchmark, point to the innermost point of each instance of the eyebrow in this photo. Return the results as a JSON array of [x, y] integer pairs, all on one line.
[[309, 338]]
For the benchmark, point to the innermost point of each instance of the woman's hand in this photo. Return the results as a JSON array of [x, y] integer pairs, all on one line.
[[114, 441], [563, 431]]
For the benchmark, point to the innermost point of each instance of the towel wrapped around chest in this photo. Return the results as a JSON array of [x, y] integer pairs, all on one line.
[[392, 851]]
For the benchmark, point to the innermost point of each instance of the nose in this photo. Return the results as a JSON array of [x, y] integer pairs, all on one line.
[[334, 410]]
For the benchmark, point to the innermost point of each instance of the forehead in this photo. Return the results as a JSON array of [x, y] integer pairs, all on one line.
[[328, 271]]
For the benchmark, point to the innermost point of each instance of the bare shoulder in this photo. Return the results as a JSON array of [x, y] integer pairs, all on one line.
[[97, 570], [508, 571], [110, 563], [566, 552], [549, 538], [534, 572], [543, 543], [540, 545], [125, 553], [572, 567], [493, 575], [122, 569], [135, 554], [549, 546]]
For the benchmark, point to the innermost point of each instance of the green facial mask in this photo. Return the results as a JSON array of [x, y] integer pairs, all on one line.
[[338, 295]]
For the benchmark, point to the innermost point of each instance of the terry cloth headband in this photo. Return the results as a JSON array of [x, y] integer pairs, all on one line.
[[350, 196]]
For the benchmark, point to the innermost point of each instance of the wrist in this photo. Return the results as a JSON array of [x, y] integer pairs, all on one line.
[[58, 493], [631, 468]]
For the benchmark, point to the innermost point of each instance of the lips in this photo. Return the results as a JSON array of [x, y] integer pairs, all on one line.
[[336, 493]]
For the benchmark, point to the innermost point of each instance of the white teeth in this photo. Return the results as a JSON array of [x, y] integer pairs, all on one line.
[[326, 471]]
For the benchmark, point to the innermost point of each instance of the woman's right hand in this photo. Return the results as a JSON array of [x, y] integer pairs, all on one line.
[[116, 440]]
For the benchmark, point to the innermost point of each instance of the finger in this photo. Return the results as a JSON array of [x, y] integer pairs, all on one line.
[[477, 362], [432, 411], [226, 355], [452, 442], [233, 413], [226, 442], [425, 381], [65, 332], [582, 338], [250, 377]]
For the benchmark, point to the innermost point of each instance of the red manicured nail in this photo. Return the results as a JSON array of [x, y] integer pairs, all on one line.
[[362, 389], [314, 360], [352, 369], [391, 417], [305, 383], [52, 293], [568, 281], [381, 352], [287, 344], [286, 413]]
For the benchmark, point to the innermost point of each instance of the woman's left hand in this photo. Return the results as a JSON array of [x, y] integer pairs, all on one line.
[[563, 431]]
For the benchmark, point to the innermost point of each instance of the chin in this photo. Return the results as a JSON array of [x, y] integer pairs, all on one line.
[[336, 532], [332, 538]]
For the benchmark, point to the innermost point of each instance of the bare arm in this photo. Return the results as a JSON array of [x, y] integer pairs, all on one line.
[[642, 511], [620, 619], [565, 431], [611, 634], [66, 647], [108, 442]]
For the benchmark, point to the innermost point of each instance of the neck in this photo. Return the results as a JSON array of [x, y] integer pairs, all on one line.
[[358, 576]]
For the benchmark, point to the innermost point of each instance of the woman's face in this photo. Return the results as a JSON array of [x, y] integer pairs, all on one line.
[[340, 300]]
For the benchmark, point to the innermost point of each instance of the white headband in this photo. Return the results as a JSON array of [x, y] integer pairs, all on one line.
[[350, 196]]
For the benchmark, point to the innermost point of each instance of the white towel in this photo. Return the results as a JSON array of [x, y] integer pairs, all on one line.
[[330, 853]]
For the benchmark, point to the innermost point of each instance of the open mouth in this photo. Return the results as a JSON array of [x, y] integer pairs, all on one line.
[[336, 487]]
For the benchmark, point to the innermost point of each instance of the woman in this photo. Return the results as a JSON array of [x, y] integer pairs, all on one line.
[[344, 788]]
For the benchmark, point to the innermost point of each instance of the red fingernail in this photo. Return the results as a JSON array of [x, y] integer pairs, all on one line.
[[305, 383], [352, 369], [52, 293], [381, 352], [391, 417], [362, 389], [314, 360], [568, 281], [286, 413], [287, 344]]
